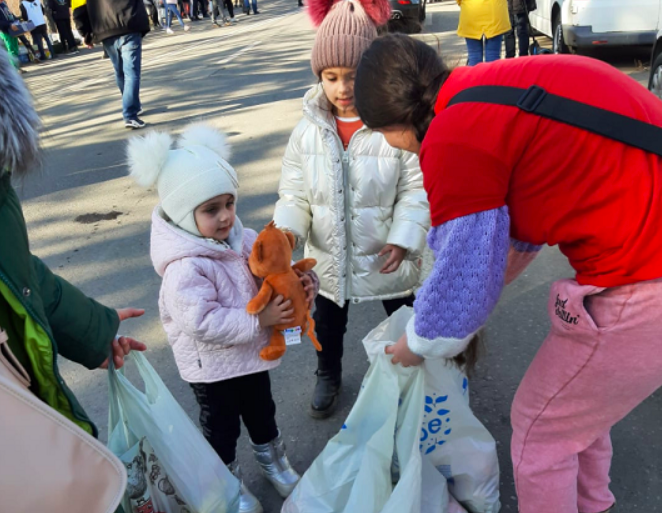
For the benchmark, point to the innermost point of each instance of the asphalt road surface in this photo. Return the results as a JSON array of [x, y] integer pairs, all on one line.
[[91, 223]]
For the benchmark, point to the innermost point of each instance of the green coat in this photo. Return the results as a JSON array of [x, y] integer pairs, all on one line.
[[50, 315]]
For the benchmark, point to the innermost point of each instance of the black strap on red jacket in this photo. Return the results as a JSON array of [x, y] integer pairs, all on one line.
[[535, 100]]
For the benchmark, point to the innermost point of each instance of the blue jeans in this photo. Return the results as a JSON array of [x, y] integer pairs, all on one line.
[[170, 9], [125, 52], [492, 50], [247, 6]]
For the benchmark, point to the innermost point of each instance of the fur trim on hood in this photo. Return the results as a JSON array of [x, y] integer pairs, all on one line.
[[19, 122]]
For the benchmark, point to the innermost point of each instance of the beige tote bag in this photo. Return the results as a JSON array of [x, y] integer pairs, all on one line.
[[47, 463]]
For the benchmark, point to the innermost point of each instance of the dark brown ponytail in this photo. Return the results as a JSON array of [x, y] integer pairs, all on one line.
[[397, 83]]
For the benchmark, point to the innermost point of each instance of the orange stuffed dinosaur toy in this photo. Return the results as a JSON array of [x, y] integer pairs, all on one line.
[[270, 260]]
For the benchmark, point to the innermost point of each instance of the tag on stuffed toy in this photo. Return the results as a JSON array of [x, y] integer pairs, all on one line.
[[292, 336]]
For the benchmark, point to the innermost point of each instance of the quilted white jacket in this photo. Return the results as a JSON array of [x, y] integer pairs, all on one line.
[[206, 287], [347, 205]]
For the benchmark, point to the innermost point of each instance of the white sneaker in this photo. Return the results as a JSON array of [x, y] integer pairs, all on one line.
[[169, 31], [233, 20], [187, 28]]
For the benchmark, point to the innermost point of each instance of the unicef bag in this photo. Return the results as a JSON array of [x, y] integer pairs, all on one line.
[[452, 439], [171, 468], [353, 472]]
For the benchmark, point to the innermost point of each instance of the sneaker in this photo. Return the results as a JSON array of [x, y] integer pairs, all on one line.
[[187, 28], [75, 51], [215, 24], [256, 12], [134, 124], [140, 111], [233, 20], [170, 32]]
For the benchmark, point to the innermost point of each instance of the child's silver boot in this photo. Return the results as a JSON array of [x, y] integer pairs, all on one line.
[[248, 503], [275, 466]]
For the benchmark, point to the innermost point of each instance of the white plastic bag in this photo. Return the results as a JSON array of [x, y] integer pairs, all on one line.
[[353, 472], [153, 424], [451, 437], [148, 487]]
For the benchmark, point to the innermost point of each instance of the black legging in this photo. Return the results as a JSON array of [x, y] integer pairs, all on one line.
[[224, 403]]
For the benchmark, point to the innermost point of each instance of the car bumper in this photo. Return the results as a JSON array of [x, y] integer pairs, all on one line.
[[404, 11], [582, 37]]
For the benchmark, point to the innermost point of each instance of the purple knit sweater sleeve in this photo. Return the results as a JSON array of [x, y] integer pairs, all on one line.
[[467, 277]]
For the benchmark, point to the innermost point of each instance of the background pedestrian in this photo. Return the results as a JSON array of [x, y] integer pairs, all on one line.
[[248, 4], [61, 12], [120, 26], [32, 10], [519, 20], [483, 24], [171, 9]]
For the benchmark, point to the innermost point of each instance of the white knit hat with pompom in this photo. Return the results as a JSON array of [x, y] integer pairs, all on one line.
[[196, 171]]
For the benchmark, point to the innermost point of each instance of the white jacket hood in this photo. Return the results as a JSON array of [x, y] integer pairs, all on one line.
[[170, 243]]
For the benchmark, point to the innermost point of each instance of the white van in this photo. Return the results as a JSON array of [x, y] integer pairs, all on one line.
[[574, 24]]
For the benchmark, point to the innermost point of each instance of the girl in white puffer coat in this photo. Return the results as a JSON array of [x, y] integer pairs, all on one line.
[[357, 202], [201, 250]]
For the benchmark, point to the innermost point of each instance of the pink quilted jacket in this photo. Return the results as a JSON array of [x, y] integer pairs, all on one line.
[[206, 287]]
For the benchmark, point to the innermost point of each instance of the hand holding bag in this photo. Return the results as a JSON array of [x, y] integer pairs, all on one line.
[[153, 428], [353, 472], [452, 439]]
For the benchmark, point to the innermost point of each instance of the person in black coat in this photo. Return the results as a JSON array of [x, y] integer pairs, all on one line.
[[120, 26], [519, 21], [61, 12]]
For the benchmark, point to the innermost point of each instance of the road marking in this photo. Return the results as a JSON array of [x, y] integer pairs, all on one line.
[[239, 53]]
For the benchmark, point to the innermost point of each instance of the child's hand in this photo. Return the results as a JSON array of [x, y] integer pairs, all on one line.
[[277, 312], [402, 354], [397, 255], [308, 286]]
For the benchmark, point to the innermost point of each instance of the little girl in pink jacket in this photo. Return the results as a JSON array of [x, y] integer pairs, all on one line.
[[200, 249]]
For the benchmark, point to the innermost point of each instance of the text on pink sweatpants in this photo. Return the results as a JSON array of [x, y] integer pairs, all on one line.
[[602, 357]]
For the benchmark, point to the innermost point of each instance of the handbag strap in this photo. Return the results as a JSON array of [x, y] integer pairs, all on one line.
[[535, 100]]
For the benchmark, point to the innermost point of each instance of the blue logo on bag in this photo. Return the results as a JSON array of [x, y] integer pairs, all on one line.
[[436, 423]]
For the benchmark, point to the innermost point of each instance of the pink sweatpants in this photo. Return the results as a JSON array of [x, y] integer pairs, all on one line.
[[602, 357]]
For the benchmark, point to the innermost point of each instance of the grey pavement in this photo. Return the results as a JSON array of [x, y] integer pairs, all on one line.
[[91, 223]]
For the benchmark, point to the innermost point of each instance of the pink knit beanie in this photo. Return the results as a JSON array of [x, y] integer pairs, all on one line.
[[346, 29]]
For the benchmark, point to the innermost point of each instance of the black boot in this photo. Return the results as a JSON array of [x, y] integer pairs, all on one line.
[[325, 396]]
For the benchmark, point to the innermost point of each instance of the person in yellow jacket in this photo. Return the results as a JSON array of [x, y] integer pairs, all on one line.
[[483, 20]]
